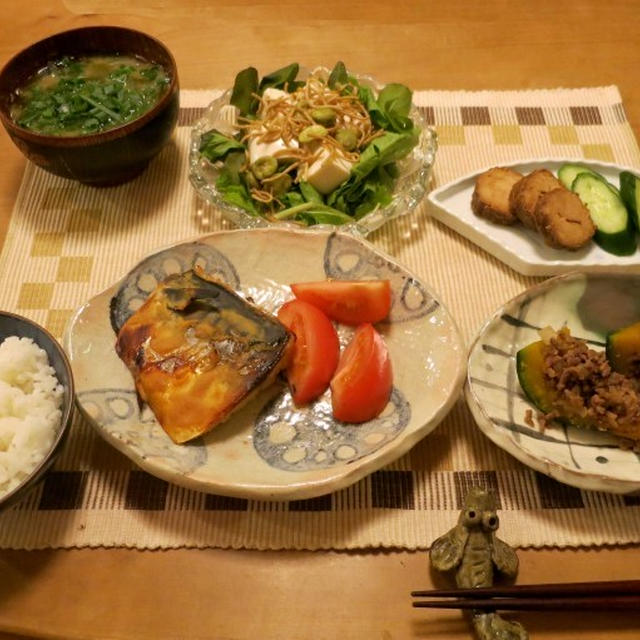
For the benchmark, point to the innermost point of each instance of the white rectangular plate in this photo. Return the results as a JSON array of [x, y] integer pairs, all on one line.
[[520, 248]]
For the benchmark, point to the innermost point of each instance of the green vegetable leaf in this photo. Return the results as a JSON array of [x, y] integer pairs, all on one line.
[[368, 99], [310, 193], [381, 151], [324, 216], [313, 213], [338, 79], [244, 89], [395, 102], [301, 194], [375, 191], [284, 78], [292, 199], [215, 145], [386, 148], [390, 110], [233, 192], [234, 163]]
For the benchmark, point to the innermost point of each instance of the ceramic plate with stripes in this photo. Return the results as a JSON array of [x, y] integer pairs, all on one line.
[[591, 305]]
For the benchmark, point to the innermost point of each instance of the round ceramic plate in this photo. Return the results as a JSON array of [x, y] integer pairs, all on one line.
[[269, 449], [590, 305], [520, 248]]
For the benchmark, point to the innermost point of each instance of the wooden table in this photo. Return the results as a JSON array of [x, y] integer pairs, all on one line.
[[453, 44]]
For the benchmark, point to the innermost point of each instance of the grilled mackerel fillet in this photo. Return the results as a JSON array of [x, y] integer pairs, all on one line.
[[197, 351]]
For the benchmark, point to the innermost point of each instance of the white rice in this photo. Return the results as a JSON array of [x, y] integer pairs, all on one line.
[[30, 415]]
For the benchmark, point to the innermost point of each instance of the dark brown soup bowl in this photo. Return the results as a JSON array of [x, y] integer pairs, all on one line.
[[101, 159]]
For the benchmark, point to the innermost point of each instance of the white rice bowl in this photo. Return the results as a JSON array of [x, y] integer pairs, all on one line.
[[30, 409]]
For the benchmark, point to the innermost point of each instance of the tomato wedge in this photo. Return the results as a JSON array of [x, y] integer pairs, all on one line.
[[351, 302], [361, 386], [315, 352]]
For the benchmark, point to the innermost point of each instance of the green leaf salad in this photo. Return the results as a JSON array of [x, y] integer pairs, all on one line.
[[319, 151]]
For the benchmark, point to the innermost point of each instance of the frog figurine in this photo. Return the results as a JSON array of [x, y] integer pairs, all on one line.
[[474, 551]]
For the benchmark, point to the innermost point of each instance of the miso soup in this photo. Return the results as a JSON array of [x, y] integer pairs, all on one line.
[[85, 95]]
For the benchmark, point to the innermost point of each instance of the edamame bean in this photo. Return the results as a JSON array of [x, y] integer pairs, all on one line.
[[264, 167], [348, 138], [312, 132], [280, 185], [324, 115]]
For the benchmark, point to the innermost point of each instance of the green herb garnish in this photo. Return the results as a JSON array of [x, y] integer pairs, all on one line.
[[88, 95]]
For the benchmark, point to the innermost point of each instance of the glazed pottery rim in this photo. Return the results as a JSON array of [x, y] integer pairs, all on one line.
[[108, 135], [587, 480], [65, 419], [337, 478]]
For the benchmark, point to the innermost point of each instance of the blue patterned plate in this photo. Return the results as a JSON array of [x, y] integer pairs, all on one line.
[[590, 305], [269, 449]]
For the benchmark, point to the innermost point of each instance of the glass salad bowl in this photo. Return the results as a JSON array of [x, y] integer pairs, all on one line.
[[412, 171]]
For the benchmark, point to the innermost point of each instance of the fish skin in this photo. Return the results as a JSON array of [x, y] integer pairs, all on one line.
[[198, 351]]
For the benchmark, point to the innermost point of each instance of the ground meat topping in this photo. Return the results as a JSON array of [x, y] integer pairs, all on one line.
[[588, 388]]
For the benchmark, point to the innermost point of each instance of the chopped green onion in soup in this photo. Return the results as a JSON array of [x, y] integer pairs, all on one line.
[[86, 95]]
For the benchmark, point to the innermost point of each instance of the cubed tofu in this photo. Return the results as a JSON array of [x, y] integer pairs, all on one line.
[[328, 171], [259, 149], [274, 94]]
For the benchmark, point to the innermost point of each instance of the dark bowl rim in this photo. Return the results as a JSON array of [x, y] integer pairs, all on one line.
[[65, 419], [104, 136]]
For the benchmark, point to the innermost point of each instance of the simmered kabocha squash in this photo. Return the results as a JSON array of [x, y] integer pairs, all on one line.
[[571, 383], [623, 350], [530, 366]]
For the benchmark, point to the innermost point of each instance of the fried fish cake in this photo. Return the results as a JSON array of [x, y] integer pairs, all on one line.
[[525, 193], [490, 197], [563, 220]]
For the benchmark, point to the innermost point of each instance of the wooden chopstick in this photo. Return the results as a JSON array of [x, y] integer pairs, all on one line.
[[596, 596], [607, 587], [608, 603]]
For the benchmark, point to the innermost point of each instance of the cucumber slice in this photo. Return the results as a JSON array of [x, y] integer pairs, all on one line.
[[567, 173], [614, 230], [630, 194]]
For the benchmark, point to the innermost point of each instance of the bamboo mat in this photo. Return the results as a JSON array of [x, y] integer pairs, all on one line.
[[67, 242]]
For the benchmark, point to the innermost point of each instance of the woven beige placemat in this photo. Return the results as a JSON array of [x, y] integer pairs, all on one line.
[[67, 242]]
